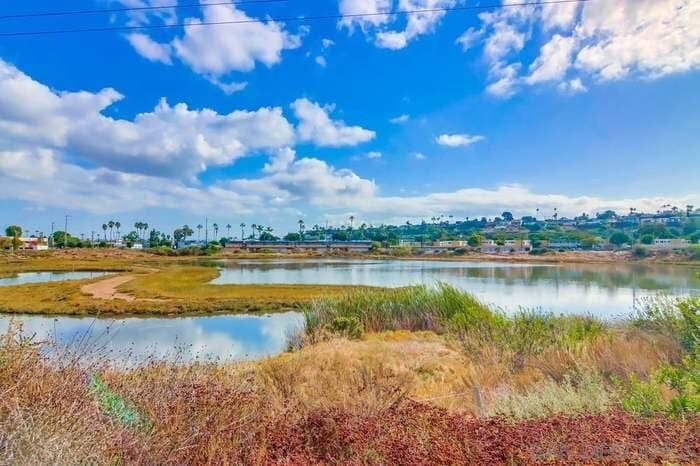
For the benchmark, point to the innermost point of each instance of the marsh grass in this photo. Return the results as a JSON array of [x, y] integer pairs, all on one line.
[[445, 309]]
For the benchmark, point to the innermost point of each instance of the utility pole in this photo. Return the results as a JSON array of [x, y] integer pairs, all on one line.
[[65, 233], [51, 242]]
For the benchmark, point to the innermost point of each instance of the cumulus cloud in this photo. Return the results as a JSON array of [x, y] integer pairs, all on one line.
[[150, 49], [458, 140], [217, 50], [170, 141], [423, 21], [589, 43], [316, 125], [307, 179]]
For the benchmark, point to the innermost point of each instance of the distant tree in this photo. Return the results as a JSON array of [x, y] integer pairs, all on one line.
[[199, 231], [292, 237], [117, 225], [301, 228], [111, 227], [242, 225], [104, 229], [647, 239], [228, 230], [13, 231], [216, 230], [619, 238], [507, 216], [474, 240]]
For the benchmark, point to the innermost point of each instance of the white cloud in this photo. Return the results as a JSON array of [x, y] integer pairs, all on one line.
[[573, 86], [468, 38], [217, 50], [321, 61], [554, 60], [417, 24], [352, 8], [374, 155], [400, 119], [178, 141], [169, 141], [306, 180], [150, 49], [316, 125], [418, 156], [228, 88], [593, 41], [327, 43], [458, 140]]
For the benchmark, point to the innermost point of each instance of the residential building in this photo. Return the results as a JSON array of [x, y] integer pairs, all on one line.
[[301, 246], [669, 244]]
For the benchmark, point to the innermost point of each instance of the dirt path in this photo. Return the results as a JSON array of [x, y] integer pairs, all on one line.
[[107, 289]]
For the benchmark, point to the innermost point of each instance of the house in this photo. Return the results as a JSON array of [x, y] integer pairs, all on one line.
[[490, 246], [34, 244], [563, 244], [451, 244], [669, 244]]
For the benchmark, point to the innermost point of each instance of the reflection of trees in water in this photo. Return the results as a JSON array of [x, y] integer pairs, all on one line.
[[601, 275], [641, 276]]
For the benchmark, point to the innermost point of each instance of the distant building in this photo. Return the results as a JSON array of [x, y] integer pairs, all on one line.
[[490, 246], [562, 244], [34, 244], [301, 246], [669, 244], [451, 244]]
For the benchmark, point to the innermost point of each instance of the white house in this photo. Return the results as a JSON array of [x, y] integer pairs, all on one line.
[[669, 244]]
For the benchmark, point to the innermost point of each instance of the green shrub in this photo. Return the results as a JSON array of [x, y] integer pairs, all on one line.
[[677, 318], [347, 326], [583, 392], [683, 382], [639, 251]]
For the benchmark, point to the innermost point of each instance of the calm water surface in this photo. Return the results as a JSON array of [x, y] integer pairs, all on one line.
[[605, 290], [134, 341], [42, 277]]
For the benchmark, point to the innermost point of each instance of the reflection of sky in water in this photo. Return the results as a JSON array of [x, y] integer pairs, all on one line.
[[606, 290], [133, 340], [41, 277]]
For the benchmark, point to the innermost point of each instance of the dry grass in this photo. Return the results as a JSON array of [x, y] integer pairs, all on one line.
[[297, 407]]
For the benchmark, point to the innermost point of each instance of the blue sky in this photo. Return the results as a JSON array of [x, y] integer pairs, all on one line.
[[579, 106]]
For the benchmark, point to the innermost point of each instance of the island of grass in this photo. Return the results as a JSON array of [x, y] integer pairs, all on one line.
[[170, 289], [407, 376]]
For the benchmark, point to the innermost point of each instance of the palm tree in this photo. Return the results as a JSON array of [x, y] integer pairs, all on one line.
[[144, 226], [216, 230], [301, 228], [111, 226], [199, 231], [117, 225], [242, 225], [260, 229], [104, 229], [352, 219], [228, 231], [253, 228]]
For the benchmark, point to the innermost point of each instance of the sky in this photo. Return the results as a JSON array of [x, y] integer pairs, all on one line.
[[579, 106]]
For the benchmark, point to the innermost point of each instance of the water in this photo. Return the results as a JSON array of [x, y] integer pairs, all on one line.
[[42, 277], [133, 341], [604, 290]]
